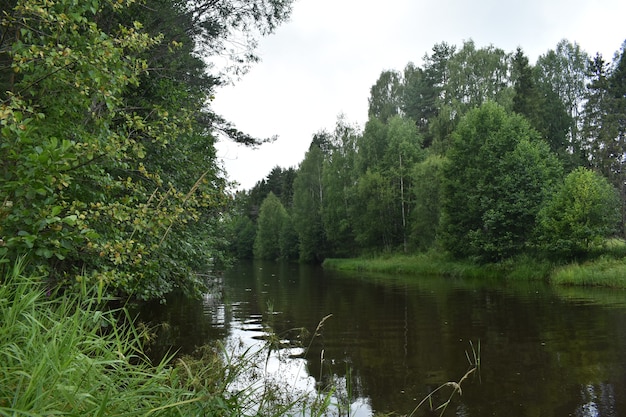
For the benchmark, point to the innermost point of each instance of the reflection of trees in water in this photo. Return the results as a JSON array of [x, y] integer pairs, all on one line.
[[395, 343], [182, 324]]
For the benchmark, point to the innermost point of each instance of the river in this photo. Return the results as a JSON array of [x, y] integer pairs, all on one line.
[[543, 351]]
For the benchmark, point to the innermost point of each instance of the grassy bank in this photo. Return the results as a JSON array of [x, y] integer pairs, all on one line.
[[604, 272], [63, 354], [607, 271], [435, 263]]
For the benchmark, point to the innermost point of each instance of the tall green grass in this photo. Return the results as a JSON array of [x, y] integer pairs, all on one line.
[[604, 271], [437, 263], [66, 354]]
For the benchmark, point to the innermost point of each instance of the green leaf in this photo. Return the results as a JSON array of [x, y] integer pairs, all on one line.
[[70, 220]]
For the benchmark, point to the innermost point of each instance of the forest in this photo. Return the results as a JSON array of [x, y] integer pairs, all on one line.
[[111, 190], [108, 169], [109, 175], [476, 153]]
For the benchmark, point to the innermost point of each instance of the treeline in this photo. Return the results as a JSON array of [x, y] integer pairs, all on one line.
[[476, 152], [108, 170]]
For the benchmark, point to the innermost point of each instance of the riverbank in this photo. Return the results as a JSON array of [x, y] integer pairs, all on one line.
[[70, 353], [606, 270]]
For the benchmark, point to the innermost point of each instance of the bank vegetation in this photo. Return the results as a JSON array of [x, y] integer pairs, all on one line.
[[475, 163]]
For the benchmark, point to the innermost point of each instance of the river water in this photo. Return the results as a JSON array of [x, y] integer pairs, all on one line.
[[391, 341]]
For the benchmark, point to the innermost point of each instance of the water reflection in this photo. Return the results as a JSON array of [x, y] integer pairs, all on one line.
[[390, 342]]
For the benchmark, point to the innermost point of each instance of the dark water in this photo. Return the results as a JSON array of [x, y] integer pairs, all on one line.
[[544, 351]]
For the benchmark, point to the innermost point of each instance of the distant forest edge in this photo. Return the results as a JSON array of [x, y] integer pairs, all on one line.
[[477, 154]]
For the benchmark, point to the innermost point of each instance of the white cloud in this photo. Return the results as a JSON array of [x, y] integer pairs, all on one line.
[[325, 59]]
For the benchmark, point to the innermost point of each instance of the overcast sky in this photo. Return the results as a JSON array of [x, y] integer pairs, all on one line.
[[323, 61]]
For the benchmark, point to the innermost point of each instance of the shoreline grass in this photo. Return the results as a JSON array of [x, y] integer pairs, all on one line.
[[603, 270], [70, 354], [67, 354]]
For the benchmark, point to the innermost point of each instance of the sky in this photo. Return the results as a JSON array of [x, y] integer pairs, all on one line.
[[322, 62]]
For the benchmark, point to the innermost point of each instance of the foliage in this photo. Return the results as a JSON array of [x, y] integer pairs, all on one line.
[[308, 200], [109, 172], [496, 179], [374, 199], [605, 120], [272, 217], [427, 177], [72, 153], [460, 154], [382, 193], [580, 214], [279, 181], [477, 76], [288, 240], [338, 176], [541, 106], [243, 234], [562, 72], [385, 96]]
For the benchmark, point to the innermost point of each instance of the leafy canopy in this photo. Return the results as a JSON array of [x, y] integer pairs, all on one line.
[[496, 177]]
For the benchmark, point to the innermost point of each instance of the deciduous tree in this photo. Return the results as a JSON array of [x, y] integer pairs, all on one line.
[[427, 179], [496, 177], [583, 212], [272, 217], [308, 199], [108, 166]]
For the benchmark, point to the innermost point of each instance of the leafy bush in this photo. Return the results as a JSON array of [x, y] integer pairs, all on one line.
[[100, 177], [583, 212]]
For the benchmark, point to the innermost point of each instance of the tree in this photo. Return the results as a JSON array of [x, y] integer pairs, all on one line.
[[541, 106], [108, 170], [338, 180], [385, 153], [604, 124], [582, 212], [418, 98], [476, 76], [373, 204], [497, 175], [385, 99], [242, 237], [436, 102], [427, 179], [279, 181], [471, 77], [371, 146], [69, 143], [272, 217], [563, 72], [403, 152], [308, 200], [527, 97], [288, 240], [616, 118]]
